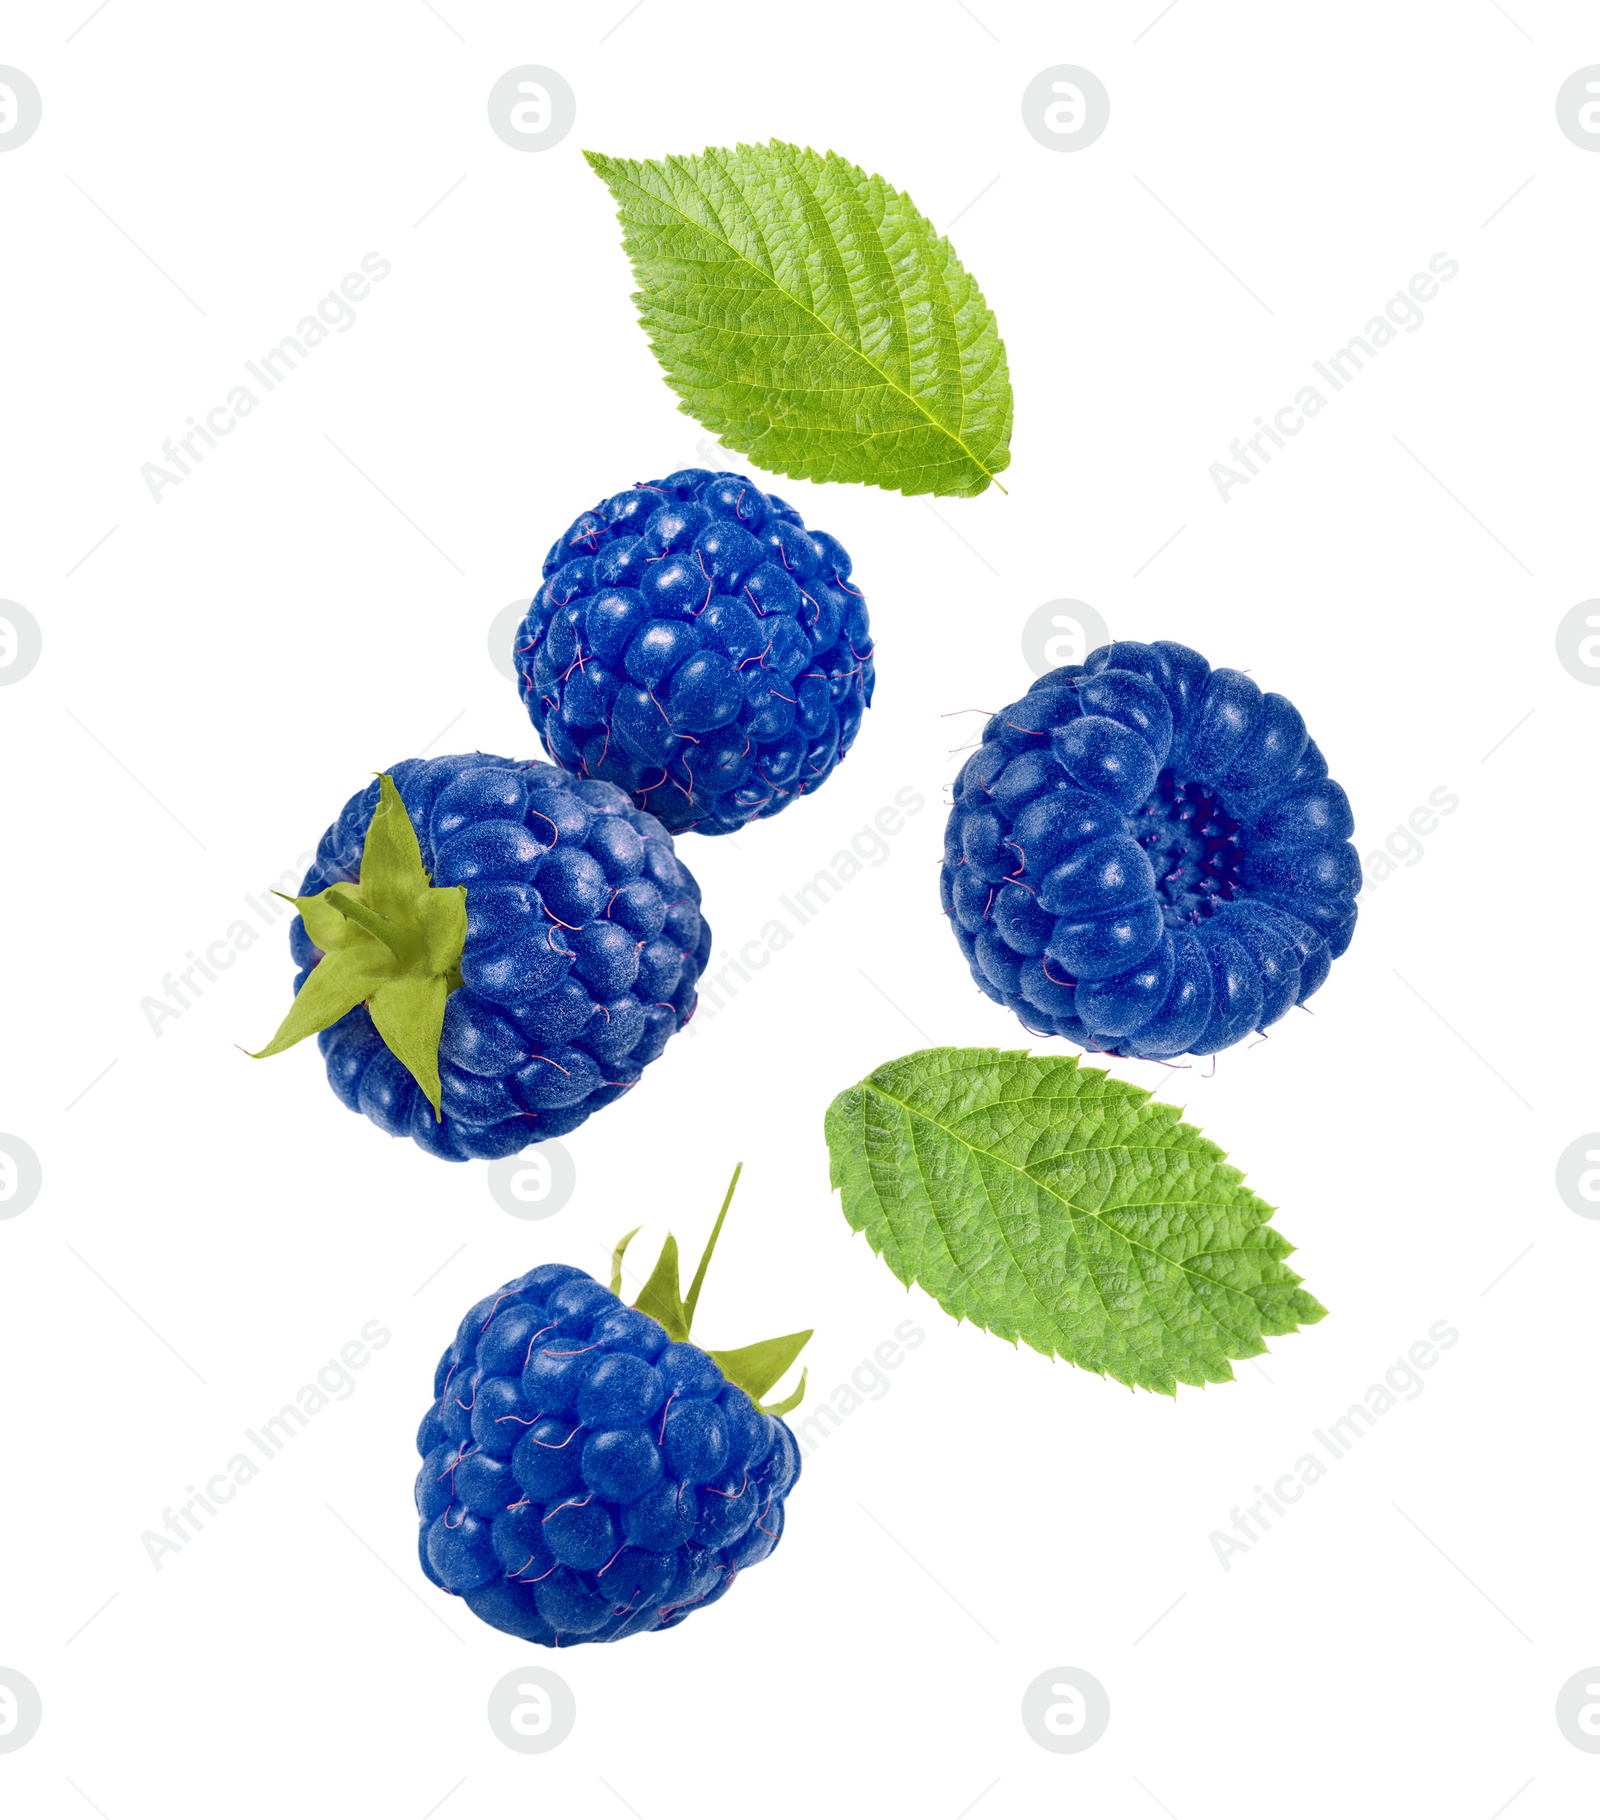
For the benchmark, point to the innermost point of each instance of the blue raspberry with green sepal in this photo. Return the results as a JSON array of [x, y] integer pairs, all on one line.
[[1148, 857], [587, 1473], [490, 951], [696, 645]]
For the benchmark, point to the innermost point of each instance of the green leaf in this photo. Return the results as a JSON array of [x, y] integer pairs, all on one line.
[[755, 1369], [812, 318], [661, 1298], [1054, 1204], [391, 942]]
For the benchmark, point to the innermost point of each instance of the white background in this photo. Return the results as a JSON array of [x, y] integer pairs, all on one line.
[[254, 646]]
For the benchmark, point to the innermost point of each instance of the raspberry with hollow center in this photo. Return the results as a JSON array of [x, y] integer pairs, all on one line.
[[1148, 857], [1193, 848]]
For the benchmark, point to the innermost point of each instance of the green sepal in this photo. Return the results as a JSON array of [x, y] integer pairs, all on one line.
[[442, 919], [404, 944], [755, 1369], [338, 983], [692, 1300], [391, 860], [661, 1298], [393, 942], [792, 1401], [408, 1014], [327, 925], [621, 1246]]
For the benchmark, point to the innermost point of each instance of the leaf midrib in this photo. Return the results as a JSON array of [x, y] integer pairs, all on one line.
[[833, 335], [1072, 1208], [927, 1189]]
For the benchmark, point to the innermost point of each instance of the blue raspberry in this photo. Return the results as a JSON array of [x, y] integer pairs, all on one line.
[[587, 1474], [1148, 857], [583, 947], [696, 645]]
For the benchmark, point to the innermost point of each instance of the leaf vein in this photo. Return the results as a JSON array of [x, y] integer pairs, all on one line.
[[617, 176], [1073, 1208]]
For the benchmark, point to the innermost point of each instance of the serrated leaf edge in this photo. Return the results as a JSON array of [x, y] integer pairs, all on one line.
[[1250, 1346], [605, 166]]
